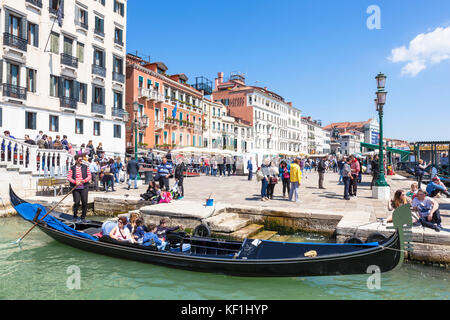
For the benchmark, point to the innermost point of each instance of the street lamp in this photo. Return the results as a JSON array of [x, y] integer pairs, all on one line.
[[139, 123], [380, 101]]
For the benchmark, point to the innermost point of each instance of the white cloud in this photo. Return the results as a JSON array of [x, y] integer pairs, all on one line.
[[425, 49]]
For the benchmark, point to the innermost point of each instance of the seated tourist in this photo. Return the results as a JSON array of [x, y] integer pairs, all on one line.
[[413, 192], [150, 238], [162, 229], [121, 232], [139, 232], [153, 193], [131, 225], [428, 210], [108, 226], [435, 187]]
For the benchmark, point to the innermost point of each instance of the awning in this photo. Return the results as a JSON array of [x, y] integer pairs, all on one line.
[[403, 153]]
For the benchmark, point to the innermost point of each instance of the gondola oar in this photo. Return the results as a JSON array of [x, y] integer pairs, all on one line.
[[37, 215]]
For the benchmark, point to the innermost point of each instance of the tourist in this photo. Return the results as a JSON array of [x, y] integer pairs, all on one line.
[[79, 175], [29, 141], [90, 150], [164, 170], [355, 167], [340, 166], [412, 193], [139, 231], [285, 178], [65, 143], [150, 238], [273, 179], [347, 178], [42, 142], [213, 166], [131, 225], [375, 168], [108, 175], [265, 174], [57, 143], [296, 179], [133, 171], [436, 187], [207, 167], [180, 169], [70, 149], [120, 232], [153, 193], [228, 164], [162, 229], [399, 200], [321, 168], [419, 171], [428, 210], [250, 169], [234, 166], [39, 136], [169, 157], [118, 166], [220, 165], [94, 167]]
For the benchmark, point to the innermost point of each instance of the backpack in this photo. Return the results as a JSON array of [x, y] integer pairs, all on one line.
[[259, 175]]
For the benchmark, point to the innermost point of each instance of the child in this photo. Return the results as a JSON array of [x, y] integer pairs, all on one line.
[[139, 232], [150, 238], [162, 229], [414, 188]]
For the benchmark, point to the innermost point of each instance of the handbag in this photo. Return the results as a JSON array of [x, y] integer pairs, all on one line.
[[259, 175], [273, 180]]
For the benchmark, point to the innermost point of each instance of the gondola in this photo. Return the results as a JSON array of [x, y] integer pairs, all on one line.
[[251, 257]]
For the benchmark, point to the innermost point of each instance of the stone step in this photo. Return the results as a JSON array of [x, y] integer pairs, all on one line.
[[264, 235], [226, 222], [247, 232], [280, 238]]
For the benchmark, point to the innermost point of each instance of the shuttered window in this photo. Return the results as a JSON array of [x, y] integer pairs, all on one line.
[[54, 43]]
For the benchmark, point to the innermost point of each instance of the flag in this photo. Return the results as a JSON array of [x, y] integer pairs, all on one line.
[[59, 14], [174, 111]]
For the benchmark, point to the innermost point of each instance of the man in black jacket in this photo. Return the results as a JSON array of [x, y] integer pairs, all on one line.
[[179, 177], [133, 171], [79, 175], [375, 164]]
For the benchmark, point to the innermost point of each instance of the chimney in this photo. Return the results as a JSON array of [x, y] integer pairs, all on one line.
[[220, 74]]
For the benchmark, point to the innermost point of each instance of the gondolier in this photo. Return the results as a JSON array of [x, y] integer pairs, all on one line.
[[79, 175]]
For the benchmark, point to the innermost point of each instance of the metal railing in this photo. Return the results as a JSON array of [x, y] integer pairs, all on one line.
[[68, 102], [99, 32], [14, 41], [119, 77], [37, 3], [117, 112], [99, 70], [119, 42], [68, 60], [13, 91], [98, 108]]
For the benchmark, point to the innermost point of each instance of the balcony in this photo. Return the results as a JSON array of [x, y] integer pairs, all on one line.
[[14, 41], [118, 77], [13, 91], [98, 108], [68, 60], [99, 70], [68, 103], [117, 112], [99, 33], [159, 125], [119, 42], [84, 25], [37, 3]]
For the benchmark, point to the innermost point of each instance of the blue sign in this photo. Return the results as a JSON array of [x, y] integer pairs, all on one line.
[[375, 137]]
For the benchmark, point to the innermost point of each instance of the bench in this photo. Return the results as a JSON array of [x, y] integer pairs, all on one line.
[[55, 183]]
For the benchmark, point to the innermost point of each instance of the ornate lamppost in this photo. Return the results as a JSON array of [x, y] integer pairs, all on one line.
[[139, 123], [381, 189]]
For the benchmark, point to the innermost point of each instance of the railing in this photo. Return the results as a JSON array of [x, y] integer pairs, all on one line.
[[99, 70], [99, 32], [37, 3], [84, 25], [119, 42], [117, 112], [119, 77], [41, 162], [13, 91], [14, 41], [98, 108], [68, 102], [68, 60], [159, 124]]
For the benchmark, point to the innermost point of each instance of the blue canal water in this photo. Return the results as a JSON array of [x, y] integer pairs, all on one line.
[[42, 268]]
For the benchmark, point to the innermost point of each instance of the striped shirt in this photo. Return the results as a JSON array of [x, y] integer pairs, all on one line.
[[79, 176]]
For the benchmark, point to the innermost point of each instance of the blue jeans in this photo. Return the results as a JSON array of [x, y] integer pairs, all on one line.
[[346, 187], [214, 172], [294, 191], [250, 175], [132, 178], [116, 176], [207, 170], [340, 176], [264, 184]]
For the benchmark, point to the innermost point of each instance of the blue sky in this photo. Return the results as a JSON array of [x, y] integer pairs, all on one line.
[[318, 54]]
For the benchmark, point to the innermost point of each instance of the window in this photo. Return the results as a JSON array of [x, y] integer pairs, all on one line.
[[30, 120], [78, 126], [54, 92], [13, 74], [54, 123], [117, 131], [68, 89], [117, 65], [98, 95], [80, 52], [141, 82], [83, 18], [83, 93], [173, 138], [96, 128], [14, 26], [149, 83], [141, 137], [119, 8], [118, 98], [33, 34], [99, 58], [54, 43], [118, 36], [31, 80], [99, 26], [68, 45]]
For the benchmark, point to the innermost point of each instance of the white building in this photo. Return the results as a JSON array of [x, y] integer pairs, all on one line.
[[66, 80]]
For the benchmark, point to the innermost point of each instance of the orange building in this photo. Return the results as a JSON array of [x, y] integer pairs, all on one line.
[[175, 118]]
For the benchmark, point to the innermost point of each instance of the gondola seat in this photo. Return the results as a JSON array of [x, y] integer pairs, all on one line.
[[108, 239]]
